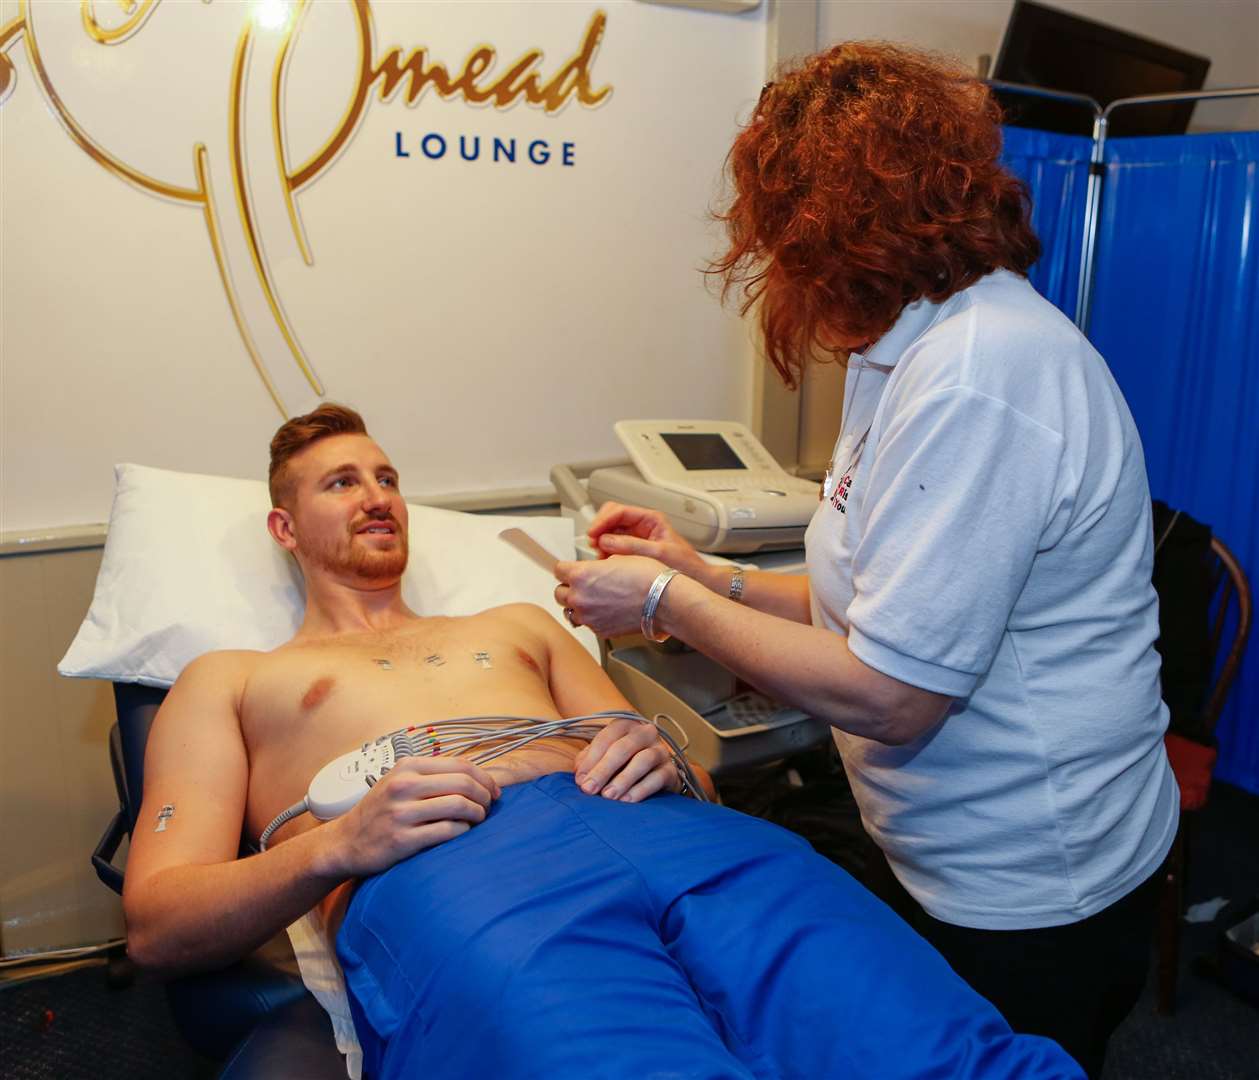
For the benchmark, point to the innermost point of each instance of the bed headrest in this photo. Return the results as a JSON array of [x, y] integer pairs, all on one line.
[[190, 567]]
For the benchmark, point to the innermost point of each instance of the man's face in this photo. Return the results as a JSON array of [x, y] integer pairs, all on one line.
[[348, 517]]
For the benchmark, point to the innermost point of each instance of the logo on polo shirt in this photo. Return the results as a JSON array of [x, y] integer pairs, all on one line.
[[839, 497]]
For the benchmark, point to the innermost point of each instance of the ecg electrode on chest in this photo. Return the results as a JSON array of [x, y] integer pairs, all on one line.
[[340, 784]]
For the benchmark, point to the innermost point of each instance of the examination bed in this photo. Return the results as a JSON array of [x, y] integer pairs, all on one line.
[[189, 567]]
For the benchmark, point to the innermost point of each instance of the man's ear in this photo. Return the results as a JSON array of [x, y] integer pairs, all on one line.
[[280, 526]]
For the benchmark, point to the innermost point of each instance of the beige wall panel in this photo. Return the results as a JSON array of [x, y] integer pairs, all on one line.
[[791, 32], [56, 791], [821, 406], [776, 418]]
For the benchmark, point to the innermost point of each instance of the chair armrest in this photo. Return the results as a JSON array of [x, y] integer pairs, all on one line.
[[106, 847]]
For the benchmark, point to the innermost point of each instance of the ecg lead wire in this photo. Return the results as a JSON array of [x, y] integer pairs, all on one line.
[[465, 733]]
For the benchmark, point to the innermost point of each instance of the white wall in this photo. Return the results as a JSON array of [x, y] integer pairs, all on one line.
[[489, 319], [1226, 31]]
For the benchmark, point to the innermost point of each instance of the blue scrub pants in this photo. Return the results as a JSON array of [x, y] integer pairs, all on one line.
[[572, 936]]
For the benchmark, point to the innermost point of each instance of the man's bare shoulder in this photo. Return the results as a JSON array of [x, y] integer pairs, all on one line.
[[223, 668], [206, 695]]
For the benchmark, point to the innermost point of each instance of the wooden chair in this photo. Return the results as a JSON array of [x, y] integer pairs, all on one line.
[[1192, 761]]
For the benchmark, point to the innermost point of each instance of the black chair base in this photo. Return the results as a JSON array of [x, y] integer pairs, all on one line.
[[292, 1043]]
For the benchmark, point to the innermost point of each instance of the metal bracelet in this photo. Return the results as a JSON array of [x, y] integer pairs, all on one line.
[[652, 602], [736, 585]]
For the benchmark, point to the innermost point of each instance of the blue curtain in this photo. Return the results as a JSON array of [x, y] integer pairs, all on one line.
[[1055, 169], [1176, 314]]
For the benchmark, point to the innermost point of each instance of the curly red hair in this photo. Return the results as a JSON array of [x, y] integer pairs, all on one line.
[[867, 178]]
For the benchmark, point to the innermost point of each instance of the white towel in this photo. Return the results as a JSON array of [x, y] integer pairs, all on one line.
[[322, 975]]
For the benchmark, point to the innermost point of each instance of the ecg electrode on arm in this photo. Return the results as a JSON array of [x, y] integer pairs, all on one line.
[[339, 785]]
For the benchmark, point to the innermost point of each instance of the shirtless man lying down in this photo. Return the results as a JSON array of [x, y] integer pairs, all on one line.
[[557, 913]]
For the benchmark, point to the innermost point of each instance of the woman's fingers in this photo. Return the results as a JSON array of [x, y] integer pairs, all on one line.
[[624, 544], [662, 544], [636, 520], [606, 596], [563, 594]]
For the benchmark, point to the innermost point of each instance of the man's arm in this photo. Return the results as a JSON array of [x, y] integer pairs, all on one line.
[[189, 903]]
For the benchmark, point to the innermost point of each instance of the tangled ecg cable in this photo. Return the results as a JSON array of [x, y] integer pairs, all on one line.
[[480, 739]]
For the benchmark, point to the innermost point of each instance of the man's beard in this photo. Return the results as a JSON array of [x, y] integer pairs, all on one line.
[[346, 557]]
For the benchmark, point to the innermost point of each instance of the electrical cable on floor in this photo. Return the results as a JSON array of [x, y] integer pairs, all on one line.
[[75, 953]]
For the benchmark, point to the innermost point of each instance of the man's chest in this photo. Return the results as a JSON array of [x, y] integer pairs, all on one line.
[[337, 695]]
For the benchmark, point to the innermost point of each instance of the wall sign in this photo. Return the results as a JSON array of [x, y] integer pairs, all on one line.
[[230, 171]]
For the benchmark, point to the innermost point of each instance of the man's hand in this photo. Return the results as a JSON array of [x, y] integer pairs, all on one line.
[[626, 761], [421, 803]]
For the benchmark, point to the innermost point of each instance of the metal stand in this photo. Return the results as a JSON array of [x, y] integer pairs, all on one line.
[[1097, 168]]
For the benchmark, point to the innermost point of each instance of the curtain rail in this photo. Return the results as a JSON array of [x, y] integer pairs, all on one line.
[[1093, 197]]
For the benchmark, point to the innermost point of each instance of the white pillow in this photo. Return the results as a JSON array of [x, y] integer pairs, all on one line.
[[190, 567]]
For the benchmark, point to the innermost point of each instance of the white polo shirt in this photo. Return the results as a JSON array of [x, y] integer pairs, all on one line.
[[987, 536]]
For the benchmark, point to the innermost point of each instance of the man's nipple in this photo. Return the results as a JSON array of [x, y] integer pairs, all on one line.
[[318, 693]]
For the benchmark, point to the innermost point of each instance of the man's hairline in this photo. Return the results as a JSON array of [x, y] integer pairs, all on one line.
[[287, 486]]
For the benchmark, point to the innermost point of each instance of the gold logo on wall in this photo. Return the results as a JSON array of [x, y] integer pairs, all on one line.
[[115, 23]]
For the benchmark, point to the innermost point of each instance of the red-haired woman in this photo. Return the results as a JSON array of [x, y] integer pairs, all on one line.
[[977, 622]]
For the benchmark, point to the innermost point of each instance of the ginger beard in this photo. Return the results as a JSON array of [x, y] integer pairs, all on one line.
[[359, 555]]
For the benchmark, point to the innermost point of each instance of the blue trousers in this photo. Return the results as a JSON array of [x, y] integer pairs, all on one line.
[[571, 936]]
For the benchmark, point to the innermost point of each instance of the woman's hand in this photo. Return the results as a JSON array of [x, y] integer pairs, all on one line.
[[627, 761], [632, 530], [608, 595]]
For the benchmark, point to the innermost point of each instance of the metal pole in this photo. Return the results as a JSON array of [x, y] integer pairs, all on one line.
[[1044, 92], [1097, 170], [1092, 216], [1197, 95], [1092, 211], [1093, 198]]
